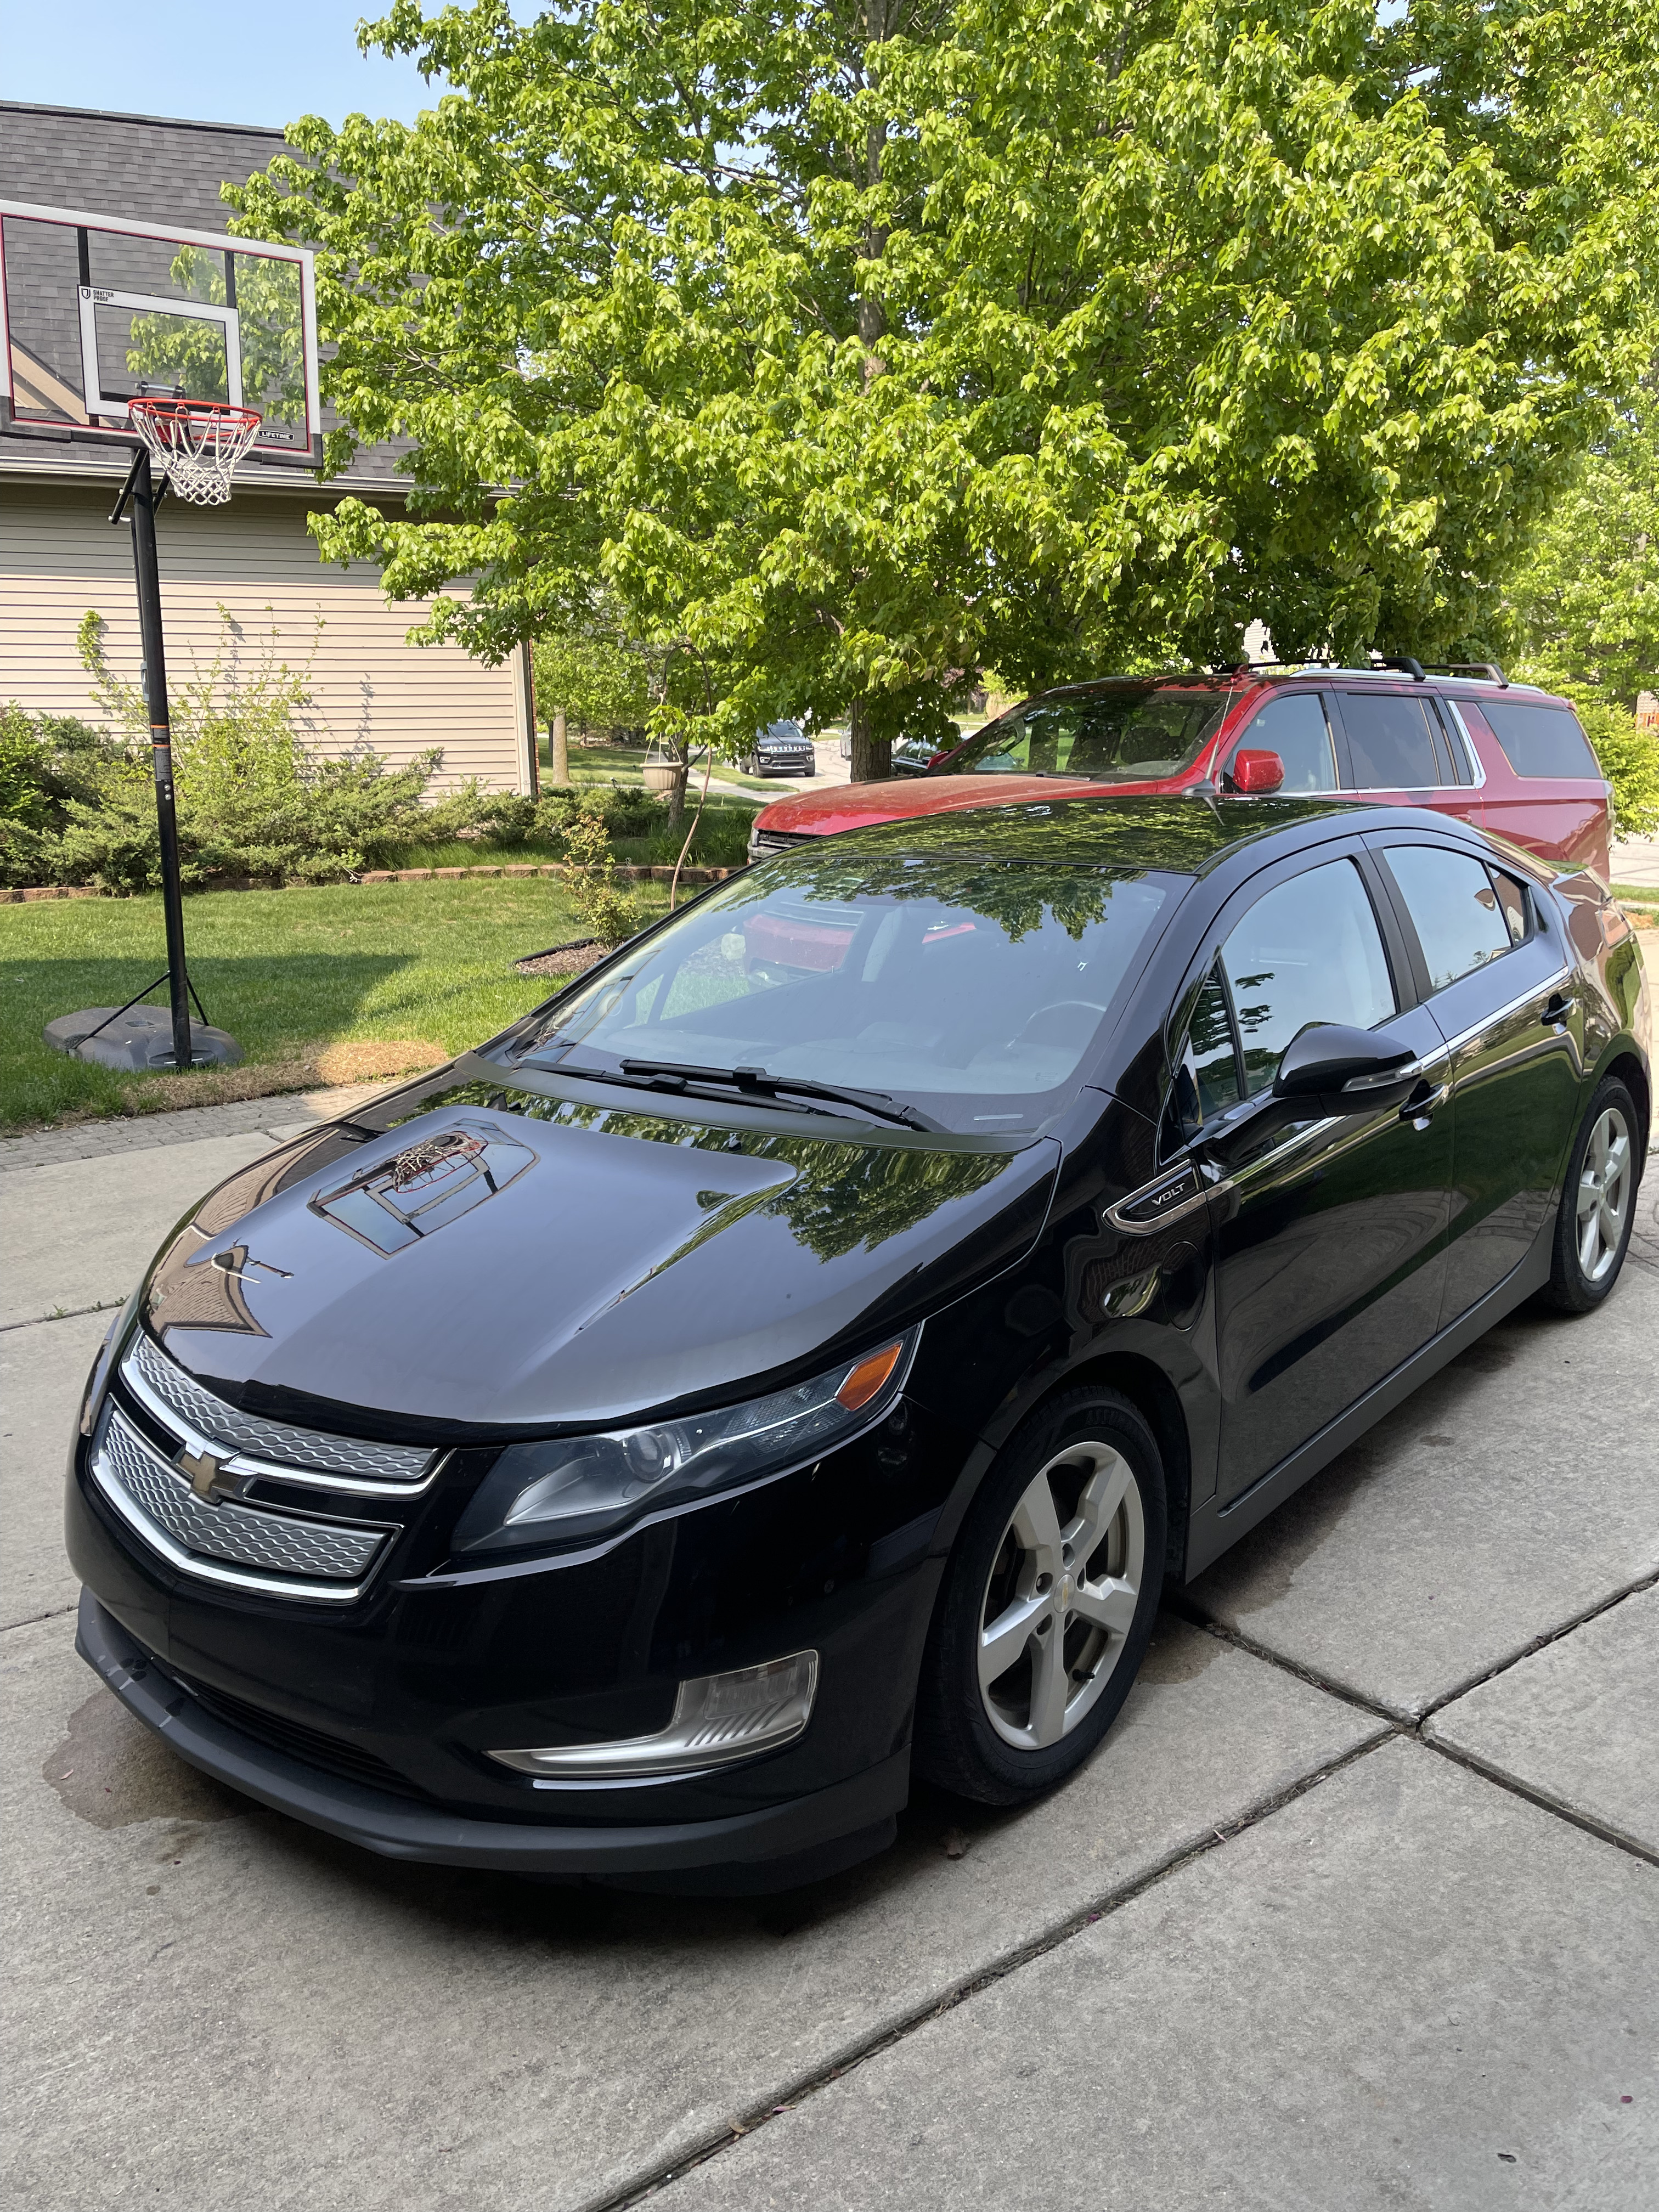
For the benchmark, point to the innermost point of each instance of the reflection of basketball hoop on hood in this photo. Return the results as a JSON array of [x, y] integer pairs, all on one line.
[[424, 1166], [426, 1186]]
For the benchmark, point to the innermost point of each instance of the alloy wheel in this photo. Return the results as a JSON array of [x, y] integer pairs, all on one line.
[[1060, 1597], [1604, 1195]]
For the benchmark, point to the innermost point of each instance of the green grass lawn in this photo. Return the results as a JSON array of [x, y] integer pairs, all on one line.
[[281, 970]]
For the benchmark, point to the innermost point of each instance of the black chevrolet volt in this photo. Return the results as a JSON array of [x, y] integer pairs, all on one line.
[[797, 1355]]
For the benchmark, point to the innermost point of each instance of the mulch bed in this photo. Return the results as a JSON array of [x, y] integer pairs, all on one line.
[[563, 959]]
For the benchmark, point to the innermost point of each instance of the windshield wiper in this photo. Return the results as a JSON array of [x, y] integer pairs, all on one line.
[[756, 1081]]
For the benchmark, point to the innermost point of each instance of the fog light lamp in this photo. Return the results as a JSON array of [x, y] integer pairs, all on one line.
[[718, 1719]]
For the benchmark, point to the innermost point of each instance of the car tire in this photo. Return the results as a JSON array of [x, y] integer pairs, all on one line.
[[1002, 1735], [1598, 1202]]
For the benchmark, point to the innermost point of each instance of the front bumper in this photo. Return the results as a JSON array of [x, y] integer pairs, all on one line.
[[771, 1847]]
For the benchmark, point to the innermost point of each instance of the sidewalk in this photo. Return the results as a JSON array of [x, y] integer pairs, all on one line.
[[1635, 862]]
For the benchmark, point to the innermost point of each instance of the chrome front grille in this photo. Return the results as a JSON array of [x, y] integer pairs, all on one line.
[[163, 1387], [284, 1554], [778, 840]]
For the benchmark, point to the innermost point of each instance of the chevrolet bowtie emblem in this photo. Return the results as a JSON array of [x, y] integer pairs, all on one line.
[[204, 1471]]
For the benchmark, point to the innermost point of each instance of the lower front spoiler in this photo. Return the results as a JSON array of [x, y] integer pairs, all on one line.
[[775, 1847]]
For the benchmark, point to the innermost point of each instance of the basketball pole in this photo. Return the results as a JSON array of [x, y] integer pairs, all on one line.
[[141, 491]]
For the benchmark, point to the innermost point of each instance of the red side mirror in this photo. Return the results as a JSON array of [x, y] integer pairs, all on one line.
[[1256, 771]]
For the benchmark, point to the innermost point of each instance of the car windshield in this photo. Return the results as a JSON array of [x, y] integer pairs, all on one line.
[[1134, 735], [969, 990]]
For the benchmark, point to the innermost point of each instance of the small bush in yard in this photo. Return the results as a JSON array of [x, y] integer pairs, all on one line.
[[591, 887], [46, 762], [498, 818], [623, 809]]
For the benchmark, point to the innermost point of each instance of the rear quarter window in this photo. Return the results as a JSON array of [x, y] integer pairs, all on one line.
[[1541, 741]]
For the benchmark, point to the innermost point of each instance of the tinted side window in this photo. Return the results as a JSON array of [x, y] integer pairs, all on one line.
[[1309, 951], [1540, 740], [1460, 922], [1207, 1080], [1513, 901], [1293, 726], [1390, 741]]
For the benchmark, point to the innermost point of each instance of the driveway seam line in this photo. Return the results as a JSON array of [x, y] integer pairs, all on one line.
[[1644, 1581], [70, 1313], [1109, 1902], [1242, 1640], [1475, 1765], [51, 1613], [1225, 1633]]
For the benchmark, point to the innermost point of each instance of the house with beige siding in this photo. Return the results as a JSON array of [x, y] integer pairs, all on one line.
[[247, 576]]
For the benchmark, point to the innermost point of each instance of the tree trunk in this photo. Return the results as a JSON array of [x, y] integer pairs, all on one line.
[[560, 747], [872, 757]]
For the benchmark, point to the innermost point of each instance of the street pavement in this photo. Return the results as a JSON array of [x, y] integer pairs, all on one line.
[[1358, 1905]]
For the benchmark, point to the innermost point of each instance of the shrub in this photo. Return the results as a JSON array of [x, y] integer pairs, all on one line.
[[592, 885], [47, 764], [623, 810], [252, 799]]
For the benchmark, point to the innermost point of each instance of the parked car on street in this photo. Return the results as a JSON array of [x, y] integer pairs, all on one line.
[[798, 1354], [780, 749], [1464, 741]]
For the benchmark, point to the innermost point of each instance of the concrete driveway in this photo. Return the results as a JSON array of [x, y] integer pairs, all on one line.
[[1357, 1906]]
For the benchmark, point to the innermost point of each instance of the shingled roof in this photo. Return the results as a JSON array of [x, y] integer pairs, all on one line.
[[154, 168]]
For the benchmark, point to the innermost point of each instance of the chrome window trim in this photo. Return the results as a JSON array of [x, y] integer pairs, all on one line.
[[131, 1377], [123, 1503], [1477, 766], [1444, 1050]]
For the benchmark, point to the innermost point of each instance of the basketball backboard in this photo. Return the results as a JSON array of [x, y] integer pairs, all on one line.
[[96, 311]]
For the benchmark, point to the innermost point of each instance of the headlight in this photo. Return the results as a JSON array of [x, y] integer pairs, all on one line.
[[573, 1487]]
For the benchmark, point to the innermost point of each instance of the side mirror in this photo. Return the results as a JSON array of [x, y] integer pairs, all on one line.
[[1329, 1068], [1256, 772]]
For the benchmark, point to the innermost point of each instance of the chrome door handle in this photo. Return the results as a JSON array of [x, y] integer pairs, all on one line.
[[1558, 1011], [1418, 1109]]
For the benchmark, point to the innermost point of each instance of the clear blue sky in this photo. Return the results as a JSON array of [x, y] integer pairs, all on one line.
[[211, 63]]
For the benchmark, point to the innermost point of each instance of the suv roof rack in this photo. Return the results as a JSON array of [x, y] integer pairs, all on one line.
[[1487, 671], [1381, 664]]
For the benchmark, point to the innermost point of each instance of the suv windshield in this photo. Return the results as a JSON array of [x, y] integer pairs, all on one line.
[[1136, 734], [967, 989]]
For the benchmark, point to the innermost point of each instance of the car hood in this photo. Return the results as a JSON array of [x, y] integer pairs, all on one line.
[[856, 806], [510, 1258]]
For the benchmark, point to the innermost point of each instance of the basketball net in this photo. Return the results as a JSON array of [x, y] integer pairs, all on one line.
[[197, 442]]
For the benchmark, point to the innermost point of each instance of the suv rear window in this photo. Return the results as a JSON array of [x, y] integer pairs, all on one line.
[[1540, 740], [1391, 741]]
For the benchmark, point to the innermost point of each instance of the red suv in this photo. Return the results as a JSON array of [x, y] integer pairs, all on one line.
[[1465, 740]]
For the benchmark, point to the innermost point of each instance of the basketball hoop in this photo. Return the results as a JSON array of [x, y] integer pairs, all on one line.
[[197, 442]]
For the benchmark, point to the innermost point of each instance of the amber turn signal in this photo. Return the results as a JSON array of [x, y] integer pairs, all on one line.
[[867, 1378]]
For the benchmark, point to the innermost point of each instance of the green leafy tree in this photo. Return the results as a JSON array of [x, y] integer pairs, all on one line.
[[1580, 611], [856, 347]]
